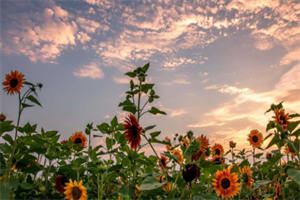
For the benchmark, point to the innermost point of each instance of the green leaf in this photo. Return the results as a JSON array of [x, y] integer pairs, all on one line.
[[34, 100], [8, 138], [103, 127], [293, 125], [258, 155], [155, 134], [131, 109], [145, 67], [146, 87], [274, 140], [26, 105], [155, 111], [109, 143], [114, 121], [294, 174], [296, 133], [268, 136], [150, 183], [270, 125], [27, 128], [294, 115], [131, 74], [148, 128], [6, 126]]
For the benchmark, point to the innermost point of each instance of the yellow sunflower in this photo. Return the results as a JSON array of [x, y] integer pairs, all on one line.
[[204, 144], [281, 118], [167, 187], [246, 175], [226, 183], [79, 138], [13, 82], [217, 149], [178, 154], [75, 191], [255, 138]]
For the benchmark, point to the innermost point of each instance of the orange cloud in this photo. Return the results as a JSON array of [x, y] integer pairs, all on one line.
[[92, 71]]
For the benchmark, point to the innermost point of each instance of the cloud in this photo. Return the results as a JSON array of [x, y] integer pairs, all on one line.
[[92, 71], [175, 113], [176, 62], [178, 81], [121, 80], [291, 56]]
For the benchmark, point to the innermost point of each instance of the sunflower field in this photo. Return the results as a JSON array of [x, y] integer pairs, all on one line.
[[36, 164]]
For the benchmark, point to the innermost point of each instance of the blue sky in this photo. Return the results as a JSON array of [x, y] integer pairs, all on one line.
[[217, 65]]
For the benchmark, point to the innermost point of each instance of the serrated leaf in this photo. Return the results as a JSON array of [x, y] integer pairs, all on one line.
[[114, 121], [103, 127]]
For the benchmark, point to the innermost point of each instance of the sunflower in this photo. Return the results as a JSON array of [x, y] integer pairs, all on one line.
[[204, 144], [185, 142], [78, 138], [133, 131], [217, 149], [246, 175], [278, 190], [255, 138], [226, 183], [63, 141], [290, 151], [75, 191], [232, 144], [178, 154], [217, 160], [281, 118], [162, 162], [60, 183], [13, 82], [167, 187], [190, 172]]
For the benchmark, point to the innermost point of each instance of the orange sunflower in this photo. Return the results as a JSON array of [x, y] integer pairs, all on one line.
[[167, 187], [185, 142], [217, 160], [246, 175], [162, 162], [226, 183], [75, 191], [133, 131], [204, 143], [281, 118], [13, 82], [178, 154], [168, 147], [78, 138], [217, 149], [255, 138]]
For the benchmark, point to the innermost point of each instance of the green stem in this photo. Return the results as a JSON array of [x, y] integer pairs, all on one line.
[[253, 154], [139, 102]]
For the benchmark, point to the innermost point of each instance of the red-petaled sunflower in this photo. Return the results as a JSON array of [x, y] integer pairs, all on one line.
[[178, 154], [204, 144], [232, 144], [255, 138], [226, 183], [13, 82], [162, 162], [281, 118], [133, 131], [217, 160], [60, 183], [190, 172], [79, 139], [217, 149], [75, 191], [246, 175]]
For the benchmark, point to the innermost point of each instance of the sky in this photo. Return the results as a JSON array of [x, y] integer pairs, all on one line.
[[217, 65]]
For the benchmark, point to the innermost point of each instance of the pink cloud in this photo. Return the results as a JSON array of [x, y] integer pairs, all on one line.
[[92, 71]]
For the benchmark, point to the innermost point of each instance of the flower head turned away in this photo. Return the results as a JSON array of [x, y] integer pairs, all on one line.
[[78, 138], [217, 149], [281, 118], [246, 176], [232, 144], [162, 162], [178, 154], [255, 138], [190, 172], [75, 191], [133, 131], [13, 82], [60, 183], [217, 160], [226, 183], [204, 144]]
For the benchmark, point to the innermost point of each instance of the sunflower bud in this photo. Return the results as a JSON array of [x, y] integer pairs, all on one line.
[[190, 172], [2, 117], [232, 144]]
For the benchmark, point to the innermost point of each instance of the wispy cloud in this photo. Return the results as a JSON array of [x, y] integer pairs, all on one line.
[[176, 113], [92, 71], [178, 81]]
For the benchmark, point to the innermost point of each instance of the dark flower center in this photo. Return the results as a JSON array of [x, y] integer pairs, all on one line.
[[76, 193], [255, 138], [282, 118], [64, 180], [13, 83], [217, 161], [78, 141], [218, 152], [245, 178], [134, 131], [163, 162], [190, 172], [225, 183]]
